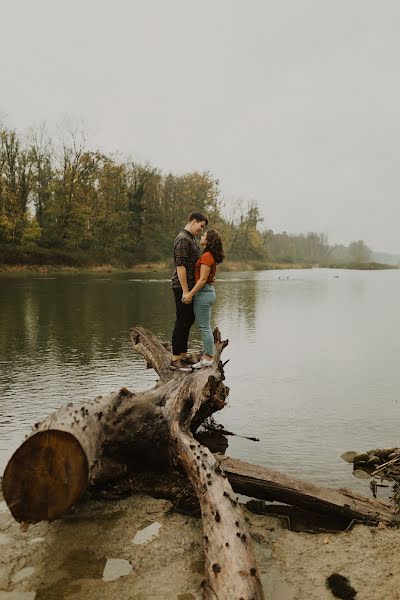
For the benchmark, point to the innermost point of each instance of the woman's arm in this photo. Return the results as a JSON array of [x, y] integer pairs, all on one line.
[[204, 273]]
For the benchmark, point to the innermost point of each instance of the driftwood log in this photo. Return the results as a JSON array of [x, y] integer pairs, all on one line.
[[84, 443], [273, 486]]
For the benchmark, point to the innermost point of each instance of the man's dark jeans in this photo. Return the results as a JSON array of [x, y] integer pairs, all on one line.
[[183, 323]]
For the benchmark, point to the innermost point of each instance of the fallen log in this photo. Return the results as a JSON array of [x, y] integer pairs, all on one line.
[[230, 566], [268, 484], [83, 443]]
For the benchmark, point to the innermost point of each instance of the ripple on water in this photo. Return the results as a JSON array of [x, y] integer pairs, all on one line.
[[312, 372], [148, 280]]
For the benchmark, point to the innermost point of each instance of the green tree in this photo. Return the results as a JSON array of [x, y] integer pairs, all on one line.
[[15, 187], [359, 251]]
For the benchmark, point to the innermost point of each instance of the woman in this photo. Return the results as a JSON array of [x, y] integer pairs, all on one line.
[[203, 292]]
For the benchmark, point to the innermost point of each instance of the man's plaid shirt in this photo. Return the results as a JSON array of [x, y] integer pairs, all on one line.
[[186, 254]]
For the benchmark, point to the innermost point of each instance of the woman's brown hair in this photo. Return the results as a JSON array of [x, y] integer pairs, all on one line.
[[214, 245]]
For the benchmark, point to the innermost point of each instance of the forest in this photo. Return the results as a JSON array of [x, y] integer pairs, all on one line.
[[63, 203]]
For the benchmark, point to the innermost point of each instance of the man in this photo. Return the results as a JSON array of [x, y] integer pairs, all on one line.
[[186, 254]]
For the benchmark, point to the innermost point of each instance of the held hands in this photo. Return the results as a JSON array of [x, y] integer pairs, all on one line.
[[187, 297]]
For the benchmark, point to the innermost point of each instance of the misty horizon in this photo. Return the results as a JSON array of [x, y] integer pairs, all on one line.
[[292, 106]]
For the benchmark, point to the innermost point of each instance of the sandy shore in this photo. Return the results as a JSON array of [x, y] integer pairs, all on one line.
[[139, 548], [161, 267]]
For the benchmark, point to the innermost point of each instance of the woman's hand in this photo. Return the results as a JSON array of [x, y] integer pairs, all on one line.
[[187, 298]]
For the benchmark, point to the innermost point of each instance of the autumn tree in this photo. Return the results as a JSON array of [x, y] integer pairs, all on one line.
[[61, 201], [15, 187]]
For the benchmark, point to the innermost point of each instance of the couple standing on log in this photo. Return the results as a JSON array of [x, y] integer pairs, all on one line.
[[193, 287]]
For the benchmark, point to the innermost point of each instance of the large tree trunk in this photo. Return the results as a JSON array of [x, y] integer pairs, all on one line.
[[82, 443], [77, 445], [230, 566], [85, 443]]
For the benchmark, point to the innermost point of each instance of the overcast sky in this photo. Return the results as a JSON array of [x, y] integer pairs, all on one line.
[[292, 103]]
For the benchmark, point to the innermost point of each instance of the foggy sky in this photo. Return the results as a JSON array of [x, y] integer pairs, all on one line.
[[292, 103]]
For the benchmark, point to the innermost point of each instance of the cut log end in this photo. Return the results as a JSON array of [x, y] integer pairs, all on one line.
[[45, 477]]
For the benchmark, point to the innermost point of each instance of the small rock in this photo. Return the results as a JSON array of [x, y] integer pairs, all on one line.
[[382, 525], [146, 535], [23, 574], [115, 568], [361, 457], [37, 540]]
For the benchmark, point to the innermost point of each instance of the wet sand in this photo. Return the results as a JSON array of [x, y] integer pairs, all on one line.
[[139, 548]]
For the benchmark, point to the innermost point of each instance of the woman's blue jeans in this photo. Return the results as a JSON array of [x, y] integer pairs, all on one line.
[[202, 303]]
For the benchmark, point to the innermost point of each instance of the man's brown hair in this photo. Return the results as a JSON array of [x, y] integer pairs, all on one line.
[[197, 216]]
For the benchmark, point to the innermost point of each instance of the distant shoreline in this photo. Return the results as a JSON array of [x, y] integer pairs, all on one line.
[[159, 267]]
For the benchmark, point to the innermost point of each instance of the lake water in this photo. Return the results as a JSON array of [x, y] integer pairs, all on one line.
[[314, 358]]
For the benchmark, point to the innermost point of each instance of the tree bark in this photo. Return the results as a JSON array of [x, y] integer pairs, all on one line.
[[267, 484], [230, 566], [86, 443]]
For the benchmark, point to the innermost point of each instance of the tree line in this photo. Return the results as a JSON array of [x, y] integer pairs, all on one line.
[[313, 248], [64, 203]]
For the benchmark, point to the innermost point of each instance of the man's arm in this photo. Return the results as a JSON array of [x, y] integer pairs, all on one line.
[[181, 271], [181, 259]]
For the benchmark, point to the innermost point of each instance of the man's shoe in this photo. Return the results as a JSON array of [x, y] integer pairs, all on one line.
[[189, 360], [178, 365], [204, 362]]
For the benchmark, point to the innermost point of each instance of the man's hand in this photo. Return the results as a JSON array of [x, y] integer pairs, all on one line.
[[187, 298]]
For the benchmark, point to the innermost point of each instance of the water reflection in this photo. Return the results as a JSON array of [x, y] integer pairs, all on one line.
[[313, 358], [67, 338], [237, 302]]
